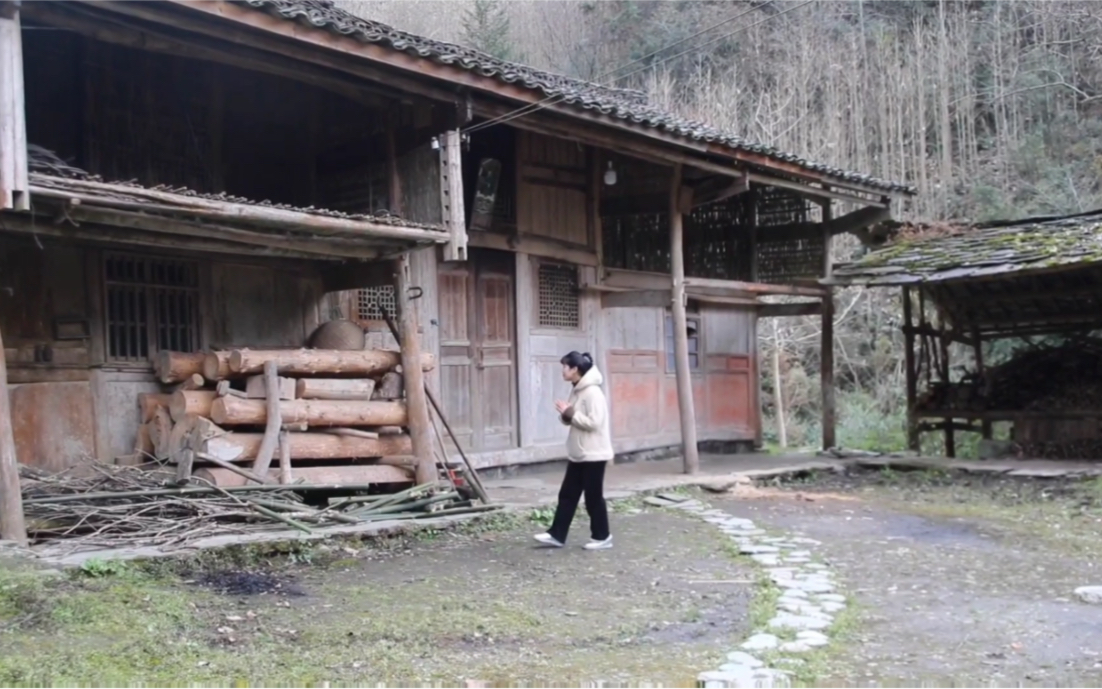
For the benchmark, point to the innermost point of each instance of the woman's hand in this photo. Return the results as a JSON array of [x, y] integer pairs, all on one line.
[[561, 406]]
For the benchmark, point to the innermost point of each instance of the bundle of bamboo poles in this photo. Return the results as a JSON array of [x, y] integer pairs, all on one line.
[[329, 416]]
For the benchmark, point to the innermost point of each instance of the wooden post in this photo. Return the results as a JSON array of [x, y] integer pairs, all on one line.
[[910, 372], [420, 425], [826, 373], [273, 422], [943, 345], [14, 187], [12, 525], [977, 342], [680, 328]]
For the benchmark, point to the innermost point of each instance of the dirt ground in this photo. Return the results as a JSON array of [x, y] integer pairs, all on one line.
[[484, 605], [957, 581]]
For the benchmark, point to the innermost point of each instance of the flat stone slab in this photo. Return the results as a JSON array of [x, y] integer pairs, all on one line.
[[674, 497], [761, 642], [758, 549], [787, 620], [794, 647], [1089, 594], [812, 637], [744, 659], [767, 559], [832, 597]]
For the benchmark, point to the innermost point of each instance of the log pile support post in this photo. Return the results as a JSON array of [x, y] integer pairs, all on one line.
[[12, 525], [417, 408], [910, 370], [680, 325]]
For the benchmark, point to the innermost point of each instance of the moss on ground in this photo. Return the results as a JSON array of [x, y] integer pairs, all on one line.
[[429, 607]]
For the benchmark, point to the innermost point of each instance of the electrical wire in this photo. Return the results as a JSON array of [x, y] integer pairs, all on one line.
[[547, 102], [542, 103]]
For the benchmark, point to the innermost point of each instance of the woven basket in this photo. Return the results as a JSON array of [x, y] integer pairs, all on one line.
[[339, 334]]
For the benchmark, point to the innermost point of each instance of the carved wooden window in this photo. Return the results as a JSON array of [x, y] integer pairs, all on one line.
[[693, 326], [370, 302], [151, 305], [558, 297]]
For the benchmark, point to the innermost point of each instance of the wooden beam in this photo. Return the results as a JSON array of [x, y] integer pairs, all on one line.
[[12, 525], [814, 191], [357, 275], [451, 196], [809, 308], [826, 373], [856, 221], [680, 328], [910, 372], [719, 189], [106, 235], [417, 406], [13, 124], [534, 246], [758, 287]]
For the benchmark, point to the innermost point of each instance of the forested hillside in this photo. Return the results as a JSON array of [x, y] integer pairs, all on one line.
[[990, 108]]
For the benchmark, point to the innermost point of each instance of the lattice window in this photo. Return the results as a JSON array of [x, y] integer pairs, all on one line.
[[152, 305], [558, 296], [693, 327], [370, 302]]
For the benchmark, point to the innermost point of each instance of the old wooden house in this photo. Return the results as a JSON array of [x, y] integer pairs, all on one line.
[[195, 175]]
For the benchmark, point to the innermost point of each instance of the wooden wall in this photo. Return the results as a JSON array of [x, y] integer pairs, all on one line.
[[69, 399]]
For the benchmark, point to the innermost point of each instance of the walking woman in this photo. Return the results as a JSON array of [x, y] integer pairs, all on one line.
[[589, 449]]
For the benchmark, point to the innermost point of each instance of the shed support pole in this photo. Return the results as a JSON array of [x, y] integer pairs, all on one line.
[[417, 407], [12, 525], [977, 342], [910, 372], [680, 328], [950, 437], [827, 372]]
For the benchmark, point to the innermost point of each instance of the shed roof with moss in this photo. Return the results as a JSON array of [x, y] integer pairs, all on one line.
[[936, 253]]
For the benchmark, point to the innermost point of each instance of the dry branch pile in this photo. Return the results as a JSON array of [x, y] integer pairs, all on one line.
[[1062, 378], [325, 416], [109, 506]]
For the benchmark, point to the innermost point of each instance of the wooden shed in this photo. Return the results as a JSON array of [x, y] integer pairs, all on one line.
[[1035, 283], [210, 174]]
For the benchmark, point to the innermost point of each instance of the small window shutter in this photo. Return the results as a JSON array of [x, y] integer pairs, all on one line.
[[13, 126], [558, 297]]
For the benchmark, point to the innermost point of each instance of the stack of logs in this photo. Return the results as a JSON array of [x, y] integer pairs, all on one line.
[[325, 416]]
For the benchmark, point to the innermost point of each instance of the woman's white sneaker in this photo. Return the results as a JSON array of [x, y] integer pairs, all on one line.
[[599, 545], [549, 540]]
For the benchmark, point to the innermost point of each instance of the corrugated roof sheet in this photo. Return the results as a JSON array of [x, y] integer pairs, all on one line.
[[945, 252], [624, 104]]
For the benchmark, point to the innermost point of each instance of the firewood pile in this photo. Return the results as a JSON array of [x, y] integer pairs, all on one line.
[[114, 506], [1062, 378], [266, 416]]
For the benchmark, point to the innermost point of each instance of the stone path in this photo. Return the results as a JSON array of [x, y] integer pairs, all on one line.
[[806, 607]]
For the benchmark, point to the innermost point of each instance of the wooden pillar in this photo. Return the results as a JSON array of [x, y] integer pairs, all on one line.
[[420, 425], [12, 525], [680, 327], [910, 372], [950, 438], [977, 342], [14, 188], [826, 372]]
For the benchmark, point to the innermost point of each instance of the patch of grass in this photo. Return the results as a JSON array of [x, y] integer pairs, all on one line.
[[764, 604]]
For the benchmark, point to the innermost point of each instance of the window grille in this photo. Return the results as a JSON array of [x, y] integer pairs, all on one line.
[[152, 305], [370, 299], [558, 296]]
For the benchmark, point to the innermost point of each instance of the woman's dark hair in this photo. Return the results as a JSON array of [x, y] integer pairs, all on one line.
[[581, 361]]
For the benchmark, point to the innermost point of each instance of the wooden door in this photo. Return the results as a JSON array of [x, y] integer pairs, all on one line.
[[478, 350]]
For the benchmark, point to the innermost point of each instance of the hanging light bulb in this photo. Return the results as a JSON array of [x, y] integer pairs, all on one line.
[[610, 175]]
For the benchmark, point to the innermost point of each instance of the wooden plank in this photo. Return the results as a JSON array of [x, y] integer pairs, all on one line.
[[633, 299], [534, 246], [322, 361], [451, 196], [680, 329], [757, 287], [824, 192]]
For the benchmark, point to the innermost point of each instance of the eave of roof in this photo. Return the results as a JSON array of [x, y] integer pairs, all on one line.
[[625, 105], [978, 251]]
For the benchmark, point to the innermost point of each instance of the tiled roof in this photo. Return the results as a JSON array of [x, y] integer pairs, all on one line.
[[624, 104], [934, 253]]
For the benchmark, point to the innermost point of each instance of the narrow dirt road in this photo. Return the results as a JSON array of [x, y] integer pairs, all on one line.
[[954, 584]]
